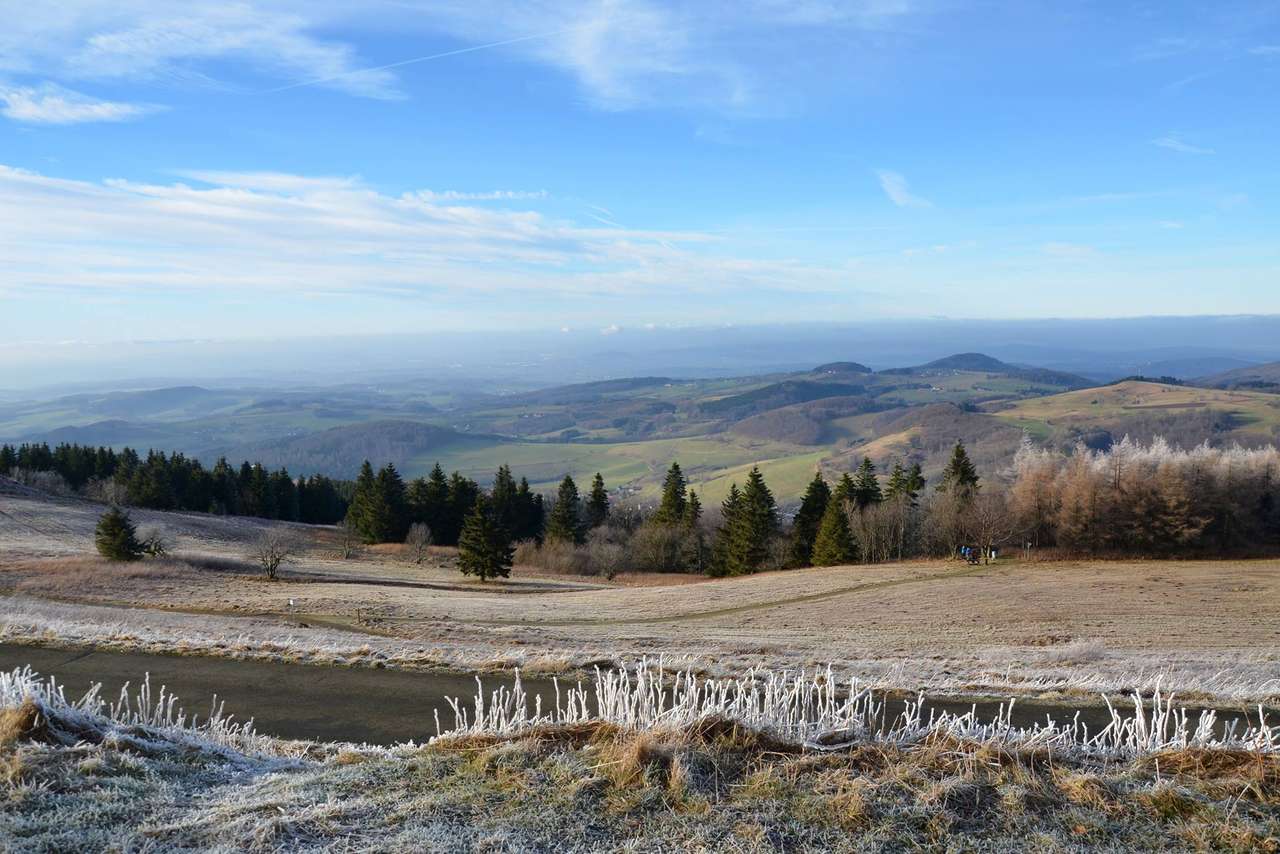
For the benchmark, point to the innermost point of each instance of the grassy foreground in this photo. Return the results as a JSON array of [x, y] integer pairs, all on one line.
[[75, 778]]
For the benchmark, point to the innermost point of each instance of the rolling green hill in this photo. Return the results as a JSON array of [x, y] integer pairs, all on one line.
[[1185, 414], [631, 429]]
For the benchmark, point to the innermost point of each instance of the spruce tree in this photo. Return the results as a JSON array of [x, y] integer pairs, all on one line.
[[805, 527], [463, 494], [529, 521], [285, 496], [721, 549], [116, 537], [391, 507], [433, 506], [867, 486], [845, 491], [960, 477], [904, 484], [692, 510], [672, 506], [754, 527], [834, 544], [362, 499], [597, 503], [915, 480], [502, 498], [564, 525], [484, 547]]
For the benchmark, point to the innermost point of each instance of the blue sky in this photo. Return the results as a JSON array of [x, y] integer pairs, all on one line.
[[301, 168]]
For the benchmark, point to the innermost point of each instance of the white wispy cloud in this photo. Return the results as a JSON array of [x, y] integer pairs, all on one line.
[[221, 232], [1265, 50], [486, 196], [1175, 142], [51, 104], [621, 53], [155, 42], [636, 53], [896, 188]]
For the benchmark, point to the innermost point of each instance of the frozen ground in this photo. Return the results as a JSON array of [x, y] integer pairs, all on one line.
[[1207, 629], [135, 776]]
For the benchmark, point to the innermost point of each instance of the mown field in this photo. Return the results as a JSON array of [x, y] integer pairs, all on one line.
[[1254, 413]]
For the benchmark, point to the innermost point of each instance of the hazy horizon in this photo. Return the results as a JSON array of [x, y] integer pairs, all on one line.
[[517, 359]]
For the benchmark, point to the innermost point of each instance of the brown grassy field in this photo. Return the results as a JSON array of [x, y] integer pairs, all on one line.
[[1211, 627]]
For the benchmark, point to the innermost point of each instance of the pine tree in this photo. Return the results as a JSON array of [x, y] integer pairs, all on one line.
[[805, 527], [905, 484], [226, 490], [671, 508], [959, 478], [721, 549], [362, 498], [484, 547], [754, 526], [597, 503], [529, 516], [564, 525], [845, 490], [867, 486], [116, 537], [463, 494], [897, 487], [392, 507], [692, 510], [834, 544], [502, 498], [428, 501], [915, 479], [285, 495]]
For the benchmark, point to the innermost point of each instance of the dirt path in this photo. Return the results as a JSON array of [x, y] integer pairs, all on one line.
[[739, 609]]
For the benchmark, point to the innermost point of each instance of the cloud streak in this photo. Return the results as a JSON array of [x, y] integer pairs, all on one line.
[[896, 188], [51, 104], [621, 53], [304, 235], [1174, 142]]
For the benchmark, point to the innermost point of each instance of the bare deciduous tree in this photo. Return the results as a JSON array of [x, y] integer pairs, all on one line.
[[417, 542], [155, 542], [273, 548], [990, 524], [348, 539]]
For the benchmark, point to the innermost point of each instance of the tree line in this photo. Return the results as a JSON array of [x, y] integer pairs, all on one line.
[[1148, 499], [1138, 499], [174, 481]]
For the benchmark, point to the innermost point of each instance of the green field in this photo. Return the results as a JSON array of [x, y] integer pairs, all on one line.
[[1253, 412], [708, 461]]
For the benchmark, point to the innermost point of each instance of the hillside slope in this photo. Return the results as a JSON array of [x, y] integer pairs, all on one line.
[[1255, 377], [339, 451], [1185, 415]]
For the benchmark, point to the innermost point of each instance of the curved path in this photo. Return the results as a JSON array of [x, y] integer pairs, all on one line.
[[737, 609]]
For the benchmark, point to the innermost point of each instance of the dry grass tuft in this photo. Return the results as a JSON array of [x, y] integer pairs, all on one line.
[[1242, 773], [22, 723], [727, 734], [1085, 789], [1171, 802], [639, 758]]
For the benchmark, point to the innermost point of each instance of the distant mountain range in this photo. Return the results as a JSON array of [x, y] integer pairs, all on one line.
[[827, 417]]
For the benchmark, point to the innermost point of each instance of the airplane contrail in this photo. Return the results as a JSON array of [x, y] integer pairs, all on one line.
[[417, 59]]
